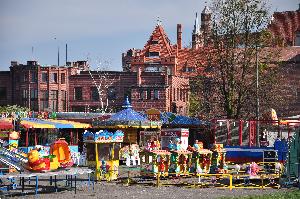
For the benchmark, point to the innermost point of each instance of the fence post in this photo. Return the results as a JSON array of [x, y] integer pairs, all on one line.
[[262, 181], [158, 179], [230, 182], [128, 178]]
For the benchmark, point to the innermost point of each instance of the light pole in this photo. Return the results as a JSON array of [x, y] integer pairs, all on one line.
[[57, 52], [257, 97]]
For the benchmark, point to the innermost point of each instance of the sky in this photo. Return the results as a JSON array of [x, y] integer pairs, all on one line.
[[97, 30]]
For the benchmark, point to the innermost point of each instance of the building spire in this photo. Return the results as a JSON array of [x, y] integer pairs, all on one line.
[[158, 21], [196, 25]]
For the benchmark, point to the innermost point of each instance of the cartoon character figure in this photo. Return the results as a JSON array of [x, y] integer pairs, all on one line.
[[103, 167], [253, 169], [36, 163], [278, 167], [171, 145]]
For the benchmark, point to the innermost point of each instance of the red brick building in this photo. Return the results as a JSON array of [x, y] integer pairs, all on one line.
[[40, 88], [159, 54], [285, 26], [74, 88], [146, 90]]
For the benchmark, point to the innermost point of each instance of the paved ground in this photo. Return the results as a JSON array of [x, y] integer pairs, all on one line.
[[112, 190], [119, 189]]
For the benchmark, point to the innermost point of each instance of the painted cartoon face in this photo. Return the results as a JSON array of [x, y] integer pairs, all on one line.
[[33, 156]]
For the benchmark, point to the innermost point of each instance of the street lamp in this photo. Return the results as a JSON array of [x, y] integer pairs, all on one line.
[[57, 52], [257, 97]]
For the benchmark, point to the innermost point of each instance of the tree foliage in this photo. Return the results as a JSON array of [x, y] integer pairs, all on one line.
[[13, 109], [239, 41]]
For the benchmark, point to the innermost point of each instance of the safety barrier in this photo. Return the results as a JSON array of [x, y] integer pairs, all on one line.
[[231, 180], [228, 180]]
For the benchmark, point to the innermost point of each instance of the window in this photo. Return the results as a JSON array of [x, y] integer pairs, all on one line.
[[34, 105], [33, 76], [154, 54], [156, 94], [189, 69], [154, 42], [3, 93], [44, 77], [33, 93], [53, 100], [53, 94], [63, 78], [44, 94], [112, 93], [53, 105], [25, 94], [148, 94], [25, 77], [94, 94], [297, 39], [54, 77], [142, 95], [127, 93], [64, 100], [78, 108], [44, 100], [44, 105], [78, 93]]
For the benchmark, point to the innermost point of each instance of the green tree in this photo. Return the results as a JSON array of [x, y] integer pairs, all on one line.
[[238, 43], [13, 109]]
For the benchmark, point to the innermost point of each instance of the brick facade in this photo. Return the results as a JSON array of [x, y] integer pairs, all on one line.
[[40, 88], [146, 90], [285, 26]]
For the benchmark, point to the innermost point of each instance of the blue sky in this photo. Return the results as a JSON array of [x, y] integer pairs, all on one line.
[[96, 29]]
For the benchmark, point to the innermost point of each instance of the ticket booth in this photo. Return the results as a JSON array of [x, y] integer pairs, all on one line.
[[103, 150]]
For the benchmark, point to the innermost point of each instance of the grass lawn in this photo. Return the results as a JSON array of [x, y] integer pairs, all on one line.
[[290, 194]]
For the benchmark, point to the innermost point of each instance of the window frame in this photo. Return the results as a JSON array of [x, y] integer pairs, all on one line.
[[92, 94], [109, 97], [54, 78], [76, 95]]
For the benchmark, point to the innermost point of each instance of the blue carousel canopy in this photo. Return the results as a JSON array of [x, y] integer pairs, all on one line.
[[127, 114], [128, 117], [172, 119]]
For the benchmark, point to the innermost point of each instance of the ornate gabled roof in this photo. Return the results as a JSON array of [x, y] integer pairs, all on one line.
[[163, 45]]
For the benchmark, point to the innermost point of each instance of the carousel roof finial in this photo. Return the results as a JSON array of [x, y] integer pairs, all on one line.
[[126, 103]]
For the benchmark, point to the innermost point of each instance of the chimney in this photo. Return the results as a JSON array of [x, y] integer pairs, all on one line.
[[179, 34], [138, 76], [14, 63]]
